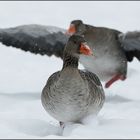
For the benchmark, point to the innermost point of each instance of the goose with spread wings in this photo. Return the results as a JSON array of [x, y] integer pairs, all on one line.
[[113, 49]]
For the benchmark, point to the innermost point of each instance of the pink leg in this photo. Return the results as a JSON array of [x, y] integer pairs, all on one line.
[[114, 79]]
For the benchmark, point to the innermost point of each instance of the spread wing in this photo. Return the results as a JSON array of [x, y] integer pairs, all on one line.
[[131, 44], [38, 39]]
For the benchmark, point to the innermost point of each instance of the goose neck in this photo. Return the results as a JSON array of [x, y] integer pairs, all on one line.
[[70, 61]]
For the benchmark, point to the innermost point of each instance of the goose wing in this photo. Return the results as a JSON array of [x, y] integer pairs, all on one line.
[[90, 77], [131, 44], [37, 39], [96, 91]]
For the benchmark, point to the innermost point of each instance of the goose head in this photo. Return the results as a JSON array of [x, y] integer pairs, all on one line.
[[77, 46], [76, 27]]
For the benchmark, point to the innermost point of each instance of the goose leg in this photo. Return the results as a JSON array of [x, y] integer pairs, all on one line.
[[62, 125], [114, 79]]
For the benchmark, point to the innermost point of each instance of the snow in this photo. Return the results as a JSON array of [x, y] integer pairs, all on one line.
[[23, 75]]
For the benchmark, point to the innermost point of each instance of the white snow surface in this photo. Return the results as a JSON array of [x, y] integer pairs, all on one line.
[[23, 75]]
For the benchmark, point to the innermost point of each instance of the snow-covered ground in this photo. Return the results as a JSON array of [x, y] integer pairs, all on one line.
[[23, 75]]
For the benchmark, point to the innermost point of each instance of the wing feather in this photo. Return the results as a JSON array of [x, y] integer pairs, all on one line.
[[37, 39], [131, 44]]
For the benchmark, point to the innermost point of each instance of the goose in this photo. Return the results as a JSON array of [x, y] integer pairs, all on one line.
[[113, 49], [110, 60], [71, 94]]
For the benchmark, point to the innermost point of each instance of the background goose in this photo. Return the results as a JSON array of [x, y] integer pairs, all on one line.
[[71, 94], [113, 48]]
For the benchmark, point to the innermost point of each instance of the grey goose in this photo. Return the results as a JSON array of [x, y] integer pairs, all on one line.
[[71, 94], [113, 49]]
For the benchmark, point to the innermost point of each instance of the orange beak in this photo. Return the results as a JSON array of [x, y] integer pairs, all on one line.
[[71, 30], [84, 49]]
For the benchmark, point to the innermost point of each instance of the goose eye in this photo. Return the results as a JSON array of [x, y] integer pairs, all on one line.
[[74, 42]]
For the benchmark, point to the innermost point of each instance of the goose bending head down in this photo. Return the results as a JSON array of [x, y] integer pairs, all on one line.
[[71, 94]]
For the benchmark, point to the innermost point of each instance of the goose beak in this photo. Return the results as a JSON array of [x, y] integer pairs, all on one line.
[[84, 49], [71, 30]]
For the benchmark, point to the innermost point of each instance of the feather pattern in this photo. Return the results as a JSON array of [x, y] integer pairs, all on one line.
[[131, 44], [72, 94], [38, 39]]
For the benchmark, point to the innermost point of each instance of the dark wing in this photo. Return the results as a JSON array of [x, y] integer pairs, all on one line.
[[131, 44], [38, 39]]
